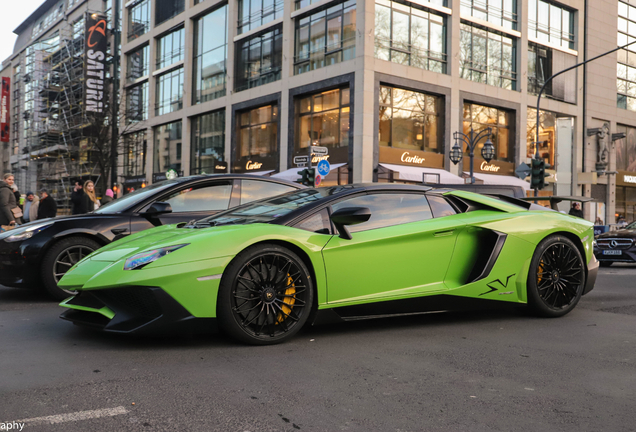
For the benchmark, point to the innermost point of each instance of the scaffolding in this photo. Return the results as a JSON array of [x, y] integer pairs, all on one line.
[[57, 131]]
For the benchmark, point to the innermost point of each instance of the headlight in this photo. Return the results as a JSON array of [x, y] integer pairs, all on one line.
[[594, 243], [20, 234], [144, 258]]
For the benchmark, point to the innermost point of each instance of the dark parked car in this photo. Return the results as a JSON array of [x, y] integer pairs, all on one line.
[[41, 252], [616, 246]]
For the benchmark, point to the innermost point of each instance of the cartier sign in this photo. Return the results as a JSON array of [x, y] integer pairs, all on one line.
[[406, 157], [253, 165], [629, 178], [491, 168]]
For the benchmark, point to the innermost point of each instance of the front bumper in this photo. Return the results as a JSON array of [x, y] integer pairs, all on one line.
[[627, 255], [16, 269], [592, 272], [133, 310]]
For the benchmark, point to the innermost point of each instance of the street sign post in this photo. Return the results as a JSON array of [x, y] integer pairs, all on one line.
[[298, 160], [318, 180], [319, 150]]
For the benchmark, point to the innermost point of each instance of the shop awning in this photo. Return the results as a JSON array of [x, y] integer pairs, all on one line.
[[412, 173], [292, 173], [501, 180]]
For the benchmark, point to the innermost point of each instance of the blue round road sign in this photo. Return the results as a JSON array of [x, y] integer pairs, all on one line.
[[323, 168]]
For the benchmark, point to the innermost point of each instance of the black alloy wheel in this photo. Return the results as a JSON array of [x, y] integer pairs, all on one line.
[[266, 295], [556, 278], [60, 258]]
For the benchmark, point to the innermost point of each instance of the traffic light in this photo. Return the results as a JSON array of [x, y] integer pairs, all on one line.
[[311, 177], [303, 177], [537, 179]]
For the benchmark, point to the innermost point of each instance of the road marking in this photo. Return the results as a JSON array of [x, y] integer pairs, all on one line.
[[76, 416]]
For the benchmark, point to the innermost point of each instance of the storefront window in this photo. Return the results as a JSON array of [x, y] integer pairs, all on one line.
[[410, 120], [326, 37], [257, 140], [259, 60], [479, 117], [135, 150], [410, 35], [487, 57], [167, 145], [208, 144], [323, 120], [210, 54]]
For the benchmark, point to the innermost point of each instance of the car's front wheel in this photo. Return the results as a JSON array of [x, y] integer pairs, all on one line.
[[266, 295], [556, 278], [60, 258]]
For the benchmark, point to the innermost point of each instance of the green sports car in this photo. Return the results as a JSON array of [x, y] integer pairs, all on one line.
[[261, 271]]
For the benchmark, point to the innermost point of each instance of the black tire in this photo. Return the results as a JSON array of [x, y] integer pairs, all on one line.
[[606, 263], [556, 278], [60, 258], [266, 295]]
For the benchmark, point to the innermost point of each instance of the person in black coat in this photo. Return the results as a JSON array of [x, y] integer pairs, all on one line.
[[48, 206], [576, 210], [78, 198]]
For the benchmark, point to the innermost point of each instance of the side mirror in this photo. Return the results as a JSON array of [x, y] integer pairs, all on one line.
[[157, 209], [349, 216]]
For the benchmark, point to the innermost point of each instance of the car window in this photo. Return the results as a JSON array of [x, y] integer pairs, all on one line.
[[318, 223], [216, 197], [388, 209], [440, 206], [253, 190]]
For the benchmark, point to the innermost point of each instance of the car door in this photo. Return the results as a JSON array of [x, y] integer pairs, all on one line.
[[189, 202], [400, 251]]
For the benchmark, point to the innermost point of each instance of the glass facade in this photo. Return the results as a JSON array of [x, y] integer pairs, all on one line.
[[170, 48], [410, 35], [551, 23], [323, 119], [626, 149], [479, 117], [137, 64], [169, 93], [166, 9], [210, 55], [259, 60], [548, 145], [208, 144], [135, 151], [626, 73], [138, 19], [255, 13], [541, 66], [137, 103], [167, 145], [498, 12], [257, 140], [487, 57], [410, 120], [326, 37]]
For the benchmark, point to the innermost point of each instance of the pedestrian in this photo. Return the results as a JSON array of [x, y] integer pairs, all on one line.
[[92, 203], [78, 198], [598, 221], [108, 196], [10, 213], [576, 210], [47, 207], [31, 205], [621, 223]]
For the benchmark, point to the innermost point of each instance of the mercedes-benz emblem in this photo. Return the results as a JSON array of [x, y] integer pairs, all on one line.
[[613, 243]]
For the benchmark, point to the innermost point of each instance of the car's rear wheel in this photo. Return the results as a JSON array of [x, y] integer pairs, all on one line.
[[60, 258], [606, 263], [556, 278], [266, 295]]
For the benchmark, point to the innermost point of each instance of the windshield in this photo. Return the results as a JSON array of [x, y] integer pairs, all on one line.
[[631, 226], [127, 201], [266, 210]]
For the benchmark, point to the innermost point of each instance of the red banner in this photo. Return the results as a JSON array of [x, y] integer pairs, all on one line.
[[4, 110]]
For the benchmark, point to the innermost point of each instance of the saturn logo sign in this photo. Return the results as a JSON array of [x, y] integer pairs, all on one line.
[[100, 28]]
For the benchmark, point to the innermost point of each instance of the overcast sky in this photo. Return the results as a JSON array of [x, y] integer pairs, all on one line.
[[12, 14]]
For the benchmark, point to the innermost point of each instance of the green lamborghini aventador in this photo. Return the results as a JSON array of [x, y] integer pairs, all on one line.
[[261, 271]]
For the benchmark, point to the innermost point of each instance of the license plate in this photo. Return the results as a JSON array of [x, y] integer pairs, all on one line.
[[612, 252]]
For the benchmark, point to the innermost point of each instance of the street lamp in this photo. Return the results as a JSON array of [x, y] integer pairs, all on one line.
[[471, 140]]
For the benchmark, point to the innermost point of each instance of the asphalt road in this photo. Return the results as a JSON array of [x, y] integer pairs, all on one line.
[[483, 371]]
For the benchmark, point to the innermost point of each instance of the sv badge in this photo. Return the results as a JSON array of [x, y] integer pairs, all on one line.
[[492, 285]]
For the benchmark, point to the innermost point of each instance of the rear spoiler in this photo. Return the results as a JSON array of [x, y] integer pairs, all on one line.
[[554, 200]]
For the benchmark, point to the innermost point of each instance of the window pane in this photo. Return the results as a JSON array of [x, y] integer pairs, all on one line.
[[252, 190], [203, 199]]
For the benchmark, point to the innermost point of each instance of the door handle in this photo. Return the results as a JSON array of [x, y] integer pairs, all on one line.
[[444, 233], [118, 231]]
